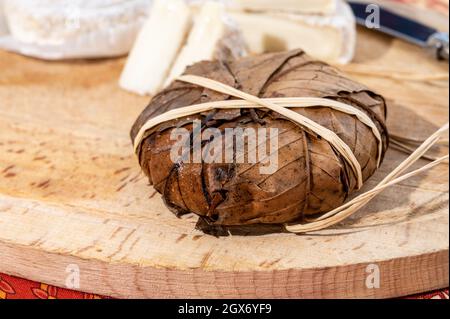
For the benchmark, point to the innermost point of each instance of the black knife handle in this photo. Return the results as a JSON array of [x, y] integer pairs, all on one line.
[[405, 28], [438, 42]]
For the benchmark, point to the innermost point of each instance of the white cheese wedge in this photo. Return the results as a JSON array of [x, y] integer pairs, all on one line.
[[331, 38], [213, 36], [156, 47], [294, 6], [61, 22]]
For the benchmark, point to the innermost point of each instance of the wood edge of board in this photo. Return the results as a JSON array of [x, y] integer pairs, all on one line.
[[397, 277]]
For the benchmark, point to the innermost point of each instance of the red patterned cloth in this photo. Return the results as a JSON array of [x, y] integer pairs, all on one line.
[[16, 288], [438, 294]]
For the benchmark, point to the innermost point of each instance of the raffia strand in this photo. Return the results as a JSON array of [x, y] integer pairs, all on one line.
[[344, 211]]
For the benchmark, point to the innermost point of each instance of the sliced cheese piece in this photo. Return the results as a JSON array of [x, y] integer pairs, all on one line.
[[213, 36], [330, 38], [324, 7], [156, 47]]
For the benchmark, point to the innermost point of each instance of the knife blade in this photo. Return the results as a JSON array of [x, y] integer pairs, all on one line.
[[404, 28]]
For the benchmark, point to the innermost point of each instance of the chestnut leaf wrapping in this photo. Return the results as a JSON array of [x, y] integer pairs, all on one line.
[[311, 177]]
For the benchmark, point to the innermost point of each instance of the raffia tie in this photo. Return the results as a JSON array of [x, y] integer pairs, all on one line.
[[281, 106]]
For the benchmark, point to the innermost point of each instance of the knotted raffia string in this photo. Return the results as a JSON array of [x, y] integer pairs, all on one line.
[[339, 214], [278, 105], [281, 105]]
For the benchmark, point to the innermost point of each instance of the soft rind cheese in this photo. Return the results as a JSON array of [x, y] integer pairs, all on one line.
[[60, 22], [331, 38], [324, 7], [213, 36], [156, 47]]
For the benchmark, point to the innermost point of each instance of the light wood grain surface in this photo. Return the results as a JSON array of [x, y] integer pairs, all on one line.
[[71, 192]]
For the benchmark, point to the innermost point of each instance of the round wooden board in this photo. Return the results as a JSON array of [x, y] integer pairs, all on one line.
[[72, 195]]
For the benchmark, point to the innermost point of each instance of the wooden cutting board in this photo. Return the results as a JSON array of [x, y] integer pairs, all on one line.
[[72, 196]]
